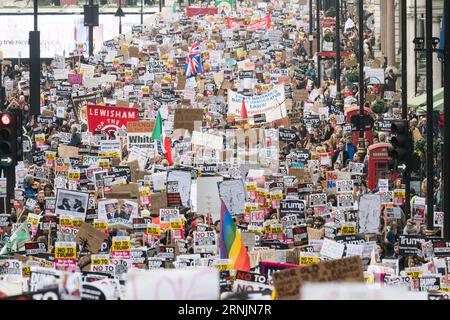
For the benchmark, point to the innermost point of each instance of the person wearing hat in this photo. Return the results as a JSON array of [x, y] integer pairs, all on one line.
[[29, 185]]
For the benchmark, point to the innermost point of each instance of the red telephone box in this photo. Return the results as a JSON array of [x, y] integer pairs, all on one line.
[[368, 134], [378, 164]]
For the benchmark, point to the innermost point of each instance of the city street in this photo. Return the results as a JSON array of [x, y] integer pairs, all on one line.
[[224, 150]]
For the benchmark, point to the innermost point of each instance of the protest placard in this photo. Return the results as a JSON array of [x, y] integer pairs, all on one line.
[[287, 283]]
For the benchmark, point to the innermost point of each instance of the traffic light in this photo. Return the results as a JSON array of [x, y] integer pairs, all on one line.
[[8, 139], [356, 119], [401, 144]]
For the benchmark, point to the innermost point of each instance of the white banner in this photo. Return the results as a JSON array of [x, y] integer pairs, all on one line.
[[272, 104]]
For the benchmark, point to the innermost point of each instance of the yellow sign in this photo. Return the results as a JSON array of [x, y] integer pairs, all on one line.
[[51, 155], [251, 186], [100, 261], [348, 230], [26, 271], [101, 225], [73, 175], [253, 228], [121, 245], [33, 219], [104, 163], [109, 154], [144, 191], [176, 223], [66, 221], [266, 205], [414, 274], [39, 137], [307, 260], [145, 89], [262, 193], [66, 252], [223, 264], [399, 193], [276, 229], [250, 207], [153, 229], [77, 222], [276, 196]]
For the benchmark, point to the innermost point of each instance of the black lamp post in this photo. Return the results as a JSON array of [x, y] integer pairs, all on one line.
[[338, 49], [35, 65], [362, 148], [142, 11], [404, 44], [310, 29], [119, 13], [91, 33], [319, 67], [430, 169], [446, 170]]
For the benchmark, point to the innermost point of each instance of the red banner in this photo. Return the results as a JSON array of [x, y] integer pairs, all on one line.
[[102, 118], [263, 23], [192, 11]]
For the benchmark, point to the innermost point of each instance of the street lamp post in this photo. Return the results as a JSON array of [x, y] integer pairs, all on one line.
[[446, 170], [35, 65], [338, 49], [319, 68], [429, 53], [91, 31], [310, 29], [119, 13], [142, 12], [407, 173], [362, 148]]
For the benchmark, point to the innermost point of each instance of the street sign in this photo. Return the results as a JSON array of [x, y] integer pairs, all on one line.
[[6, 161], [401, 168]]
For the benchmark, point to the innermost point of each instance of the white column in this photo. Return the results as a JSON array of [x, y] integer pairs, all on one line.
[[437, 65], [410, 56]]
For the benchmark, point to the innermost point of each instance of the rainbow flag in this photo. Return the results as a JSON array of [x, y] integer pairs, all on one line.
[[231, 245]]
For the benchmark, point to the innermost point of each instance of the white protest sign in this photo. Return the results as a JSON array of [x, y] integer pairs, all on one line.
[[271, 104], [344, 186], [318, 199], [205, 241], [369, 213], [345, 201], [173, 284], [331, 249]]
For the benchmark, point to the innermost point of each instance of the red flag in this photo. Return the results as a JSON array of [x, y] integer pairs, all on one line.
[[244, 110], [168, 149]]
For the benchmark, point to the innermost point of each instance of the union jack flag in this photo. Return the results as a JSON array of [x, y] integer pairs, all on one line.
[[193, 64]]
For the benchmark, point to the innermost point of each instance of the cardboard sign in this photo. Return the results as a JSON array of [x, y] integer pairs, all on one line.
[[140, 126], [90, 238], [288, 282], [68, 152], [315, 234], [185, 118], [159, 201]]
